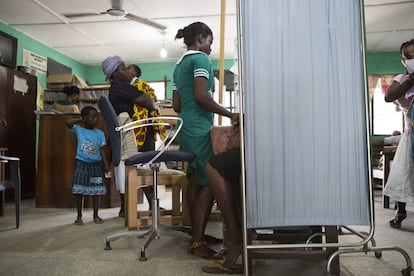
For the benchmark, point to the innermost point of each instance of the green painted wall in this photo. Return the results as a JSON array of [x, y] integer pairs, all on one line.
[[150, 72], [25, 42], [377, 63], [384, 63], [93, 74]]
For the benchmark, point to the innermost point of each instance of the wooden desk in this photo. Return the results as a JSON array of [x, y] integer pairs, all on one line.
[[389, 153], [56, 164]]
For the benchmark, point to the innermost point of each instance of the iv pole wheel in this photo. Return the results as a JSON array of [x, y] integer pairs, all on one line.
[[108, 246], [143, 257], [406, 271]]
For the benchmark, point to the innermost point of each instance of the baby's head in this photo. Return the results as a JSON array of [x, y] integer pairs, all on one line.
[[134, 70], [89, 116]]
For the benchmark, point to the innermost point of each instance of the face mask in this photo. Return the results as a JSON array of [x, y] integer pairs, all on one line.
[[403, 58], [410, 65]]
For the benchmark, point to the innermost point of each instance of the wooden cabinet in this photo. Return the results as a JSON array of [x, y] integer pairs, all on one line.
[[18, 92], [56, 164]]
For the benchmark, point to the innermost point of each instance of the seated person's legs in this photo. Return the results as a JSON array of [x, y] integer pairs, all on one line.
[[223, 172]]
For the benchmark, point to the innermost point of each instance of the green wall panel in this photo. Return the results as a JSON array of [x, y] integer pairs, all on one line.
[[377, 63], [150, 72], [25, 42], [384, 63]]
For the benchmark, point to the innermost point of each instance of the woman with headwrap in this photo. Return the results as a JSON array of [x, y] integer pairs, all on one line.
[[123, 96]]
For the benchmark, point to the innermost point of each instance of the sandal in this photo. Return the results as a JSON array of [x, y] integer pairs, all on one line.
[[78, 221], [98, 220], [201, 250], [219, 268], [396, 221]]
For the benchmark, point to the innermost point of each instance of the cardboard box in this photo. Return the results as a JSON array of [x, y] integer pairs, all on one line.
[[59, 81]]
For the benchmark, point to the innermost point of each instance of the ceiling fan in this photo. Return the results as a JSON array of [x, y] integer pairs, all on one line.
[[116, 10]]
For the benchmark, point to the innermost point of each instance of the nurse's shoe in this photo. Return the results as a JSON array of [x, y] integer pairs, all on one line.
[[396, 221]]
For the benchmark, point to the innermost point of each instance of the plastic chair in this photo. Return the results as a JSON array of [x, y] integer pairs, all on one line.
[[151, 158], [13, 164]]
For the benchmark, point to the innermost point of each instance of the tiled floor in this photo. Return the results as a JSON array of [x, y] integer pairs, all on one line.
[[48, 243]]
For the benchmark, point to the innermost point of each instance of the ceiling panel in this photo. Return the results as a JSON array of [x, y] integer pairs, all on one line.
[[119, 32], [389, 18], [25, 12], [390, 41], [91, 39], [57, 35], [89, 54]]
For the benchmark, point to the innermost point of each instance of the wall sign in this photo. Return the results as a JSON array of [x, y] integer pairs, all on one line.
[[35, 61]]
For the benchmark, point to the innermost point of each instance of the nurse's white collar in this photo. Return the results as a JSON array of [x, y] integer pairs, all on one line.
[[189, 52]]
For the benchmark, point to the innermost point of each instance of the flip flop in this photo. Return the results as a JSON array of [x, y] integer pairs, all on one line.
[[219, 268], [79, 221]]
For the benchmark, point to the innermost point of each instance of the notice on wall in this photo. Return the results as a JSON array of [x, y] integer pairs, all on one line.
[[20, 85], [35, 61]]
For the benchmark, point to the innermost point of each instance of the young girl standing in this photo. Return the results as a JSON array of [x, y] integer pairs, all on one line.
[[88, 177]]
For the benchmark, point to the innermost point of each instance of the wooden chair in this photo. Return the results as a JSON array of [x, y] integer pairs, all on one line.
[[151, 158], [13, 182], [176, 179]]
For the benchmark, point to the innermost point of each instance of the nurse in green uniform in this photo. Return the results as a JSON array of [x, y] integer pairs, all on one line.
[[193, 81]]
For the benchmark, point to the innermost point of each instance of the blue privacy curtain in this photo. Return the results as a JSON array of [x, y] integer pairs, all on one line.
[[304, 103]]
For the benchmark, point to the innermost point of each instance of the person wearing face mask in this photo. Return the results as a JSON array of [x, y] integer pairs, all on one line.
[[400, 183]]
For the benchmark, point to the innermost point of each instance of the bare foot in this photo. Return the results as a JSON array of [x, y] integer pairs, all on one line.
[[234, 251]]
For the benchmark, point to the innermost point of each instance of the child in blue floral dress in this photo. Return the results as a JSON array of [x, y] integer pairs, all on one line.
[[88, 178]]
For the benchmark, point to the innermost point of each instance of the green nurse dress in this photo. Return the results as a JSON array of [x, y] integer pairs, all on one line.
[[194, 136]]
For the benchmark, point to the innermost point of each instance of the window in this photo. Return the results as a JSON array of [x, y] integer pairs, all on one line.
[[386, 117], [159, 88]]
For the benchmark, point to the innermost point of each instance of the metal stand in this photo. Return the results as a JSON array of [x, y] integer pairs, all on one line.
[[154, 231]]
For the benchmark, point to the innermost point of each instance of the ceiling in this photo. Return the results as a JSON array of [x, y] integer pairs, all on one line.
[[91, 39]]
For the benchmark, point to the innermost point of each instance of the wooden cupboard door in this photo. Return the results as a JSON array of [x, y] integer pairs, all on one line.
[[21, 130], [5, 86]]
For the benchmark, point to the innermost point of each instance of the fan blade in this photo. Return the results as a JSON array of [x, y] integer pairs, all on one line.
[[75, 15], [145, 21]]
